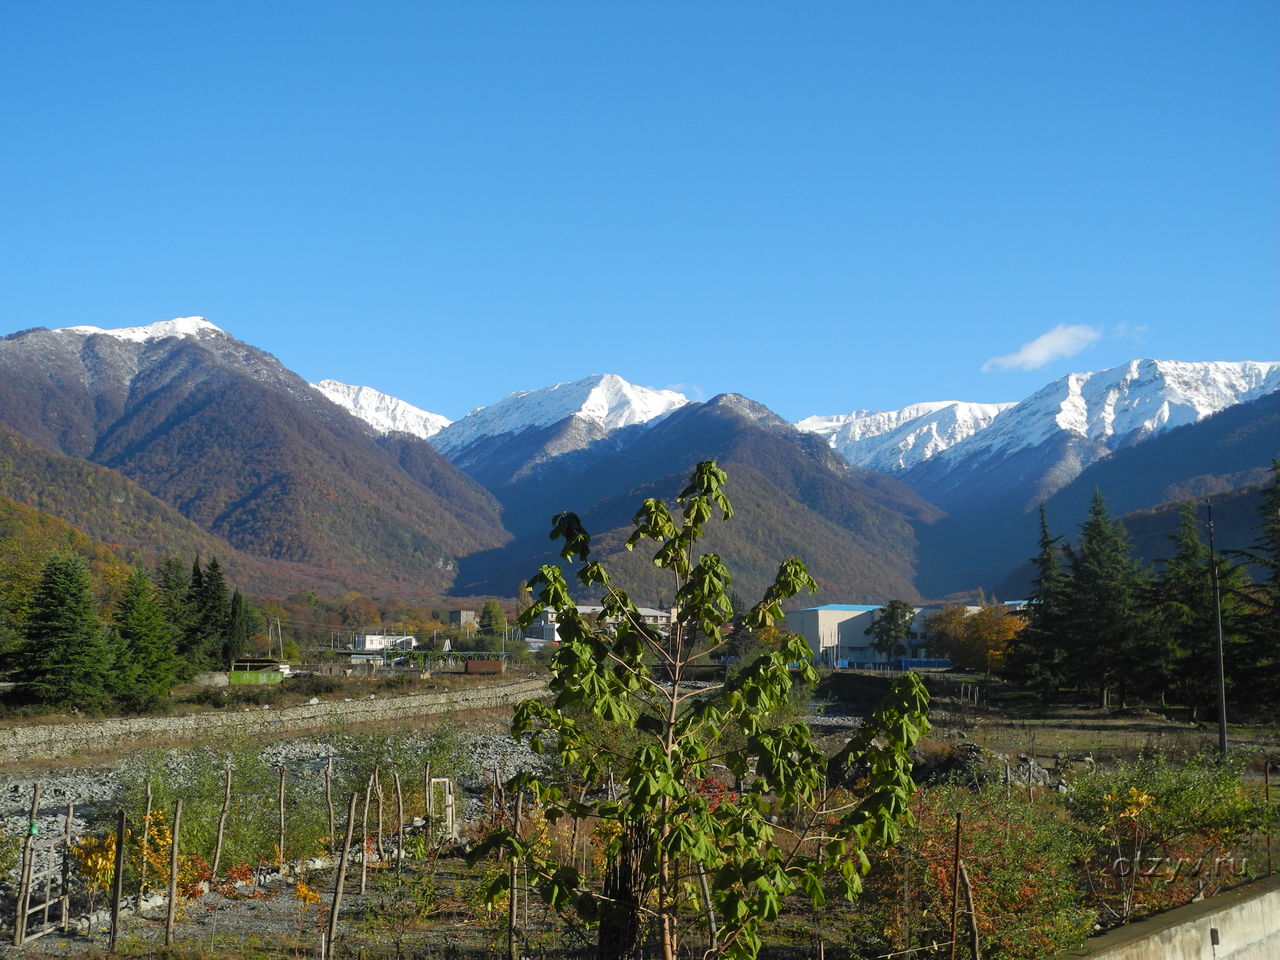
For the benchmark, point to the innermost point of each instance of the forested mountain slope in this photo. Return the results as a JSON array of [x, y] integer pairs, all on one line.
[[792, 494], [246, 450]]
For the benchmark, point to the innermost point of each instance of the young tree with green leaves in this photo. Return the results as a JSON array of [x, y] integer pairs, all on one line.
[[891, 626], [679, 847], [65, 661], [493, 619]]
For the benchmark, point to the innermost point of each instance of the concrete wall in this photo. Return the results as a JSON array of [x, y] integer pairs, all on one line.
[[1247, 920], [64, 739]]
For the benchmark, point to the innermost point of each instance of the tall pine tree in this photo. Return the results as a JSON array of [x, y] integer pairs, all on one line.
[[66, 661], [1260, 651], [210, 608], [147, 663], [1108, 642], [1038, 657], [242, 623]]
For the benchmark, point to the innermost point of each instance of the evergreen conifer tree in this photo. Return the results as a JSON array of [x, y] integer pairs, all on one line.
[[1182, 608], [1038, 657], [173, 584], [1107, 641], [210, 608], [66, 661], [1260, 651], [242, 624], [148, 659]]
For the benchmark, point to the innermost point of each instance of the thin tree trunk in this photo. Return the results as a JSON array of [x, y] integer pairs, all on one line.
[[146, 840], [222, 822], [24, 877], [117, 882], [173, 874], [973, 914], [513, 902], [709, 910], [624, 893], [377, 790], [399, 825], [281, 811], [328, 800], [67, 871], [364, 838], [342, 879], [955, 888]]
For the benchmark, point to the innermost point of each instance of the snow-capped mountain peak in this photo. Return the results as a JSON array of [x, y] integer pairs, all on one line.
[[385, 413], [893, 440], [178, 327], [1123, 405], [604, 400]]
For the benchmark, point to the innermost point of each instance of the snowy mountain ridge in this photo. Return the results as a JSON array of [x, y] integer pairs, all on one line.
[[1123, 405], [604, 400], [1115, 407], [892, 440], [178, 327], [383, 412]]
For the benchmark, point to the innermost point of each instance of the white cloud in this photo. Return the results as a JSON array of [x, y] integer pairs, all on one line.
[[690, 390], [1130, 331], [1064, 340]]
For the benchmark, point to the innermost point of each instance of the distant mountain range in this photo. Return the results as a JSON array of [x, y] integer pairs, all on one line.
[[214, 445], [245, 450]]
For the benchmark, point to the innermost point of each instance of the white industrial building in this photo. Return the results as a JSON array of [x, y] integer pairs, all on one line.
[[382, 641], [837, 633]]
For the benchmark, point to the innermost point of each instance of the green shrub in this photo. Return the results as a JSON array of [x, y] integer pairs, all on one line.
[[1161, 834], [312, 685], [1020, 858]]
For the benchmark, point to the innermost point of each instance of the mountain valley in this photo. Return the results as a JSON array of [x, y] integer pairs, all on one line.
[[203, 444]]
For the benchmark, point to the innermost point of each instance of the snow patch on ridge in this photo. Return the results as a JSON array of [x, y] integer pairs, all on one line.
[[1116, 407], [1123, 405], [606, 400], [178, 327], [892, 440], [383, 412]]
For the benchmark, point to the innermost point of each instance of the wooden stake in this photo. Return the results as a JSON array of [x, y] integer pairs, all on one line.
[[173, 874], [281, 804], [342, 879], [906, 903], [1266, 794], [66, 871], [513, 899], [955, 887], [973, 914], [117, 882], [24, 878], [146, 838], [222, 821], [364, 838], [428, 795], [709, 911], [328, 800], [400, 827], [377, 789]]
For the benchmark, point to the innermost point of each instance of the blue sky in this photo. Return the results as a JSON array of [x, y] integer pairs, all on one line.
[[823, 206]]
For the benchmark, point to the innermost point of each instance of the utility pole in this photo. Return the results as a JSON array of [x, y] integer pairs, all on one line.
[[1217, 609]]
